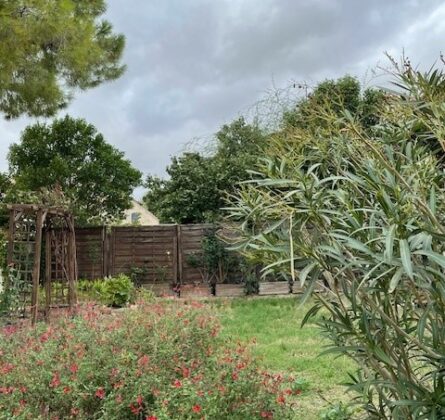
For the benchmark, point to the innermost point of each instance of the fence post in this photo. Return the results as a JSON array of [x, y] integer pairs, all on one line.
[[179, 253], [106, 252]]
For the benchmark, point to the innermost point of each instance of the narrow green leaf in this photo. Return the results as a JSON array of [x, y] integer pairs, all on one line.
[[389, 244], [395, 280], [405, 256], [304, 273], [433, 200], [434, 256]]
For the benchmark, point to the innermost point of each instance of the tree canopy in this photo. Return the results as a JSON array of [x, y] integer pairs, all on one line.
[[50, 48], [335, 96], [197, 185], [71, 155]]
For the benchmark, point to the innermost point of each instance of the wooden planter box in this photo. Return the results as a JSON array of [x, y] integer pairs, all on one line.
[[297, 289], [230, 290], [160, 289], [192, 291], [274, 288]]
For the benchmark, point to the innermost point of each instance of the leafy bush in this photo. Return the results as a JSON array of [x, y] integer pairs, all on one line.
[[154, 362], [365, 211], [115, 291], [11, 295]]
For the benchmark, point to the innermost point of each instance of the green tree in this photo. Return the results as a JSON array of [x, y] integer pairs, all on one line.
[[197, 185], [334, 96], [70, 154], [50, 48]]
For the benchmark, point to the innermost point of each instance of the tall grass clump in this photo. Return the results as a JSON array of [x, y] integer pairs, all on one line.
[[363, 209]]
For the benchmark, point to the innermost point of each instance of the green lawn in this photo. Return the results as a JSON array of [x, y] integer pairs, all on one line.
[[282, 345]]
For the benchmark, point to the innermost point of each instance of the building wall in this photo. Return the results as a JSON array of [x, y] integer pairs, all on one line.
[[139, 215]]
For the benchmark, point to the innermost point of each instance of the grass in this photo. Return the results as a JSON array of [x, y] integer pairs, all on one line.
[[282, 345]]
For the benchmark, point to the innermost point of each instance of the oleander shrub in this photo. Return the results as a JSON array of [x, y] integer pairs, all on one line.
[[152, 362], [364, 211]]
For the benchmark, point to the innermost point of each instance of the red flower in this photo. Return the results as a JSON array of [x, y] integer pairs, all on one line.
[[9, 330], [151, 418], [74, 411], [196, 408], [139, 399], [143, 361], [55, 381], [135, 410], [66, 390], [74, 368], [281, 399], [177, 383], [234, 376], [100, 393], [6, 368], [266, 415]]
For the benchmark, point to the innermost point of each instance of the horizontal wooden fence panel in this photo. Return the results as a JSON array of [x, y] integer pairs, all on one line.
[[190, 246], [149, 250], [91, 252], [163, 255]]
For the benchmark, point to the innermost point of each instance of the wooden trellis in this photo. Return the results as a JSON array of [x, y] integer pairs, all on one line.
[[30, 228]]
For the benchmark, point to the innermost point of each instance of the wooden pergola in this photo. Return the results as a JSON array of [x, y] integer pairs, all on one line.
[[31, 229]]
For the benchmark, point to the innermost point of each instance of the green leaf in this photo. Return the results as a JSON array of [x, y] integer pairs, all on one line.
[[395, 280], [433, 200], [405, 256], [434, 256], [304, 273], [389, 244]]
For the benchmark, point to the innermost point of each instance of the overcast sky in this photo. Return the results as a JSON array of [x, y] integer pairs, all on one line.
[[194, 65]]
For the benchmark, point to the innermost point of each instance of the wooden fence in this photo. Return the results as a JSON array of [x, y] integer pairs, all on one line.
[[155, 254]]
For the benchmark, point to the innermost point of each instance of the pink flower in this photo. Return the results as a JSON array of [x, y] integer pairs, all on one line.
[[55, 381], [151, 418], [143, 361], [196, 408], [74, 368], [135, 410], [6, 368], [100, 393], [281, 399], [177, 383]]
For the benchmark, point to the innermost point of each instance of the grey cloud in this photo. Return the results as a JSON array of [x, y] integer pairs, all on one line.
[[194, 65]]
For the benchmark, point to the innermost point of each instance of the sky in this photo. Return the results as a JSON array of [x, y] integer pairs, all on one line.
[[195, 65]]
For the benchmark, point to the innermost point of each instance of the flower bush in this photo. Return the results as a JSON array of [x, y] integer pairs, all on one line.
[[158, 361]]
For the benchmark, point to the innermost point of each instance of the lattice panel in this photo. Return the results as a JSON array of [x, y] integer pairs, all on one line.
[[59, 243], [23, 253]]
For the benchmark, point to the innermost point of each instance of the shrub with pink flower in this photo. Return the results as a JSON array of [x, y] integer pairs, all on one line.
[[160, 361]]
